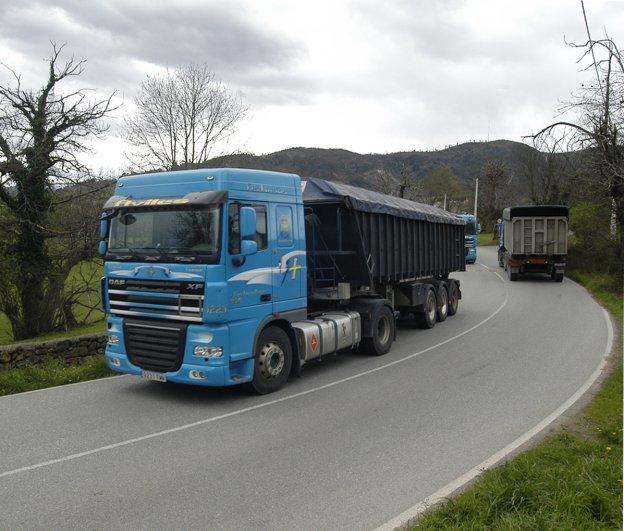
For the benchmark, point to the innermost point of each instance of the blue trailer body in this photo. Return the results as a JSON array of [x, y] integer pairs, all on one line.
[[470, 237], [206, 274]]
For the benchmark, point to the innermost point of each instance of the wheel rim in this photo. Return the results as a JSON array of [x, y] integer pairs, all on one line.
[[271, 360], [444, 306], [431, 310], [383, 329]]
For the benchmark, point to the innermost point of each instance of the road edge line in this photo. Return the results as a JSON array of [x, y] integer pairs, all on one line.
[[443, 494]]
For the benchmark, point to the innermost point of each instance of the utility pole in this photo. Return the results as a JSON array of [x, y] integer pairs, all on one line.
[[476, 196], [444, 202]]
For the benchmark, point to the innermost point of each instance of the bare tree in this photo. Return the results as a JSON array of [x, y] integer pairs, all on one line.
[[548, 172], [41, 135], [597, 125], [386, 183], [405, 185], [180, 117], [494, 178]]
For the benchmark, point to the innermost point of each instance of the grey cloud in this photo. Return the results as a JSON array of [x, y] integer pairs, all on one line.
[[114, 35]]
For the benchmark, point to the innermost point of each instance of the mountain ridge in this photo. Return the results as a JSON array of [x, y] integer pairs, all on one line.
[[466, 160]]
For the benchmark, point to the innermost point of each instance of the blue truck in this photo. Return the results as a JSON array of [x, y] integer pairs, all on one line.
[[471, 230], [219, 277]]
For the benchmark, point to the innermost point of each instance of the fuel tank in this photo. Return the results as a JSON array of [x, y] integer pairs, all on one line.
[[327, 333]]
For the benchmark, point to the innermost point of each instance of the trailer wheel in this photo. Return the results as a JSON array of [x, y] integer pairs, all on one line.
[[273, 360], [382, 325], [443, 306], [512, 276], [427, 319], [453, 299], [557, 277]]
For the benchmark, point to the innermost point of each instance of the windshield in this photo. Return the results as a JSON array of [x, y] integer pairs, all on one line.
[[166, 234], [470, 228]]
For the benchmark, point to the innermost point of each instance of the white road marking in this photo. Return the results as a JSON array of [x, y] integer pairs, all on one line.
[[443, 494], [250, 408]]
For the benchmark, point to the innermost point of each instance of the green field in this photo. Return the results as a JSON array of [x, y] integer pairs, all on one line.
[[91, 271], [572, 480], [485, 238]]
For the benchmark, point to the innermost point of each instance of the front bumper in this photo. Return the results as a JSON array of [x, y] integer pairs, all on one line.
[[471, 255], [225, 370]]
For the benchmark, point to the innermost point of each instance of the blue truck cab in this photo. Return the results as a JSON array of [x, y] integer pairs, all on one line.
[[219, 277], [195, 261], [470, 236]]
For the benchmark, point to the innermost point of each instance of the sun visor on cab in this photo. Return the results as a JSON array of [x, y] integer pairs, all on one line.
[[214, 197]]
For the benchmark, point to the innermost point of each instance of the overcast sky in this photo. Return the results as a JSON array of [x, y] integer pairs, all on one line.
[[367, 76]]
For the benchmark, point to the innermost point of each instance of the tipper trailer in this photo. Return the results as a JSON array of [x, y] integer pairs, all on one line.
[[534, 239], [225, 276]]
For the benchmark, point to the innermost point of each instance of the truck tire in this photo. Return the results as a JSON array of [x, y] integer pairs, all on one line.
[[512, 276], [557, 277], [500, 260], [273, 361], [453, 299], [427, 319], [443, 305], [382, 325]]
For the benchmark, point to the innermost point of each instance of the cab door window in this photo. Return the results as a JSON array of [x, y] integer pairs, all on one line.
[[260, 237]]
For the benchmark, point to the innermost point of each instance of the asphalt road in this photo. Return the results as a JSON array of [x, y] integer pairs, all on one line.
[[351, 444]]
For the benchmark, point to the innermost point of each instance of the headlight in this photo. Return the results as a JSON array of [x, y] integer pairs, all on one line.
[[203, 351], [113, 339]]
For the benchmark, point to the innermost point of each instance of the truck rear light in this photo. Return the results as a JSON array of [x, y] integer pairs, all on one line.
[[203, 351]]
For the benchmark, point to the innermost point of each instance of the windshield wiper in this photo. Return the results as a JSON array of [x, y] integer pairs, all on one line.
[[181, 257], [136, 253]]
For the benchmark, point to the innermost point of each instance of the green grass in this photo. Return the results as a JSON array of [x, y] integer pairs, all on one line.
[[94, 323], [485, 238], [51, 373], [572, 480]]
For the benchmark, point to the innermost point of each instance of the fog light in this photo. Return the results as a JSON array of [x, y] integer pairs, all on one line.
[[197, 375], [115, 362], [113, 339], [207, 352]]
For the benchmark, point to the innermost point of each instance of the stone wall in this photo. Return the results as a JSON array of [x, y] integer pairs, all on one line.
[[70, 350]]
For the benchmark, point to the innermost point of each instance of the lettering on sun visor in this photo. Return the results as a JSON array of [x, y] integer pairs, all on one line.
[[125, 202]]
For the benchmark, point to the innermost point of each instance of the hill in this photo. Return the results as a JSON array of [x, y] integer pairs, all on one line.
[[466, 160]]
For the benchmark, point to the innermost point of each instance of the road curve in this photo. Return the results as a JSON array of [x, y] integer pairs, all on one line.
[[353, 443]]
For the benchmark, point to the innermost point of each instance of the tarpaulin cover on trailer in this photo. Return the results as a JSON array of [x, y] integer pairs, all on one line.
[[535, 211], [319, 190]]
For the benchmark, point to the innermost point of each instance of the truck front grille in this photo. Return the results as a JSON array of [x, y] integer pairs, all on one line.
[[154, 346], [180, 301]]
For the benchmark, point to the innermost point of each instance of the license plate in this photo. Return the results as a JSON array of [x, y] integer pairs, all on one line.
[[154, 376]]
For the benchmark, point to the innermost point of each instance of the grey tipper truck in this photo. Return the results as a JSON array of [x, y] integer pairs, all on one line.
[[534, 239]]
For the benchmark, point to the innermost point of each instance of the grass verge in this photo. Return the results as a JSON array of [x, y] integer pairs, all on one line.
[[51, 373], [485, 238], [572, 480]]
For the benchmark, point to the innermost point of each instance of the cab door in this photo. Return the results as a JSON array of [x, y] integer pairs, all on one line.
[[250, 283], [288, 258]]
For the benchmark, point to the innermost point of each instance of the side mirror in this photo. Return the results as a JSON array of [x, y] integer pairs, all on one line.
[[478, 228], [248, 247], [103, 227], [247, 222], [103, 247]]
